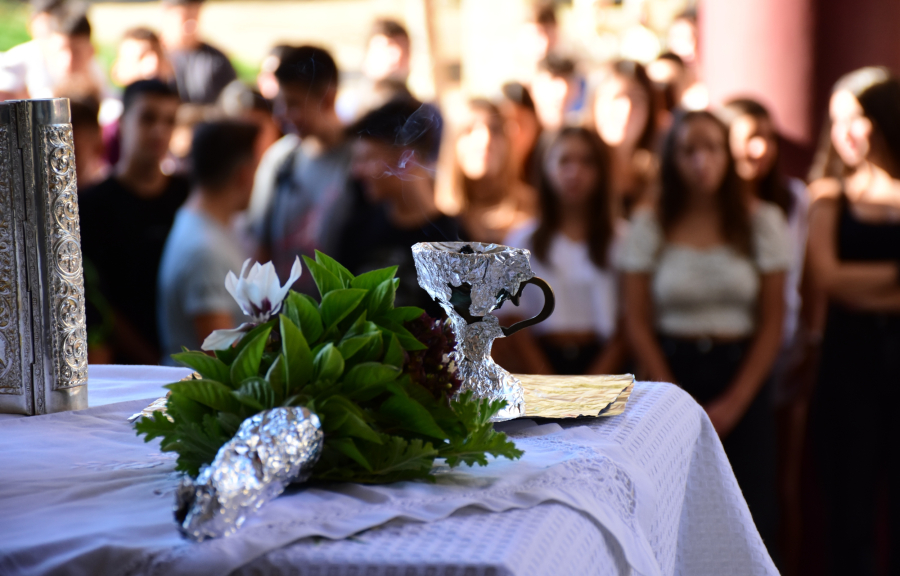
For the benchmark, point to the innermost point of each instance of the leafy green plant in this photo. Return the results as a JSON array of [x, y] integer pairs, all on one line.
[[383, 397]]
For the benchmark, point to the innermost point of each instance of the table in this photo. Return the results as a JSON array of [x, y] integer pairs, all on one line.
[[648, 492]]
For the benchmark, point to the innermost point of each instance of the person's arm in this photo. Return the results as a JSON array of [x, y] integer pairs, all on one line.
[[521, 351], [611, 358], [639, 327], [728, 408], [205, 324], [871, 286]]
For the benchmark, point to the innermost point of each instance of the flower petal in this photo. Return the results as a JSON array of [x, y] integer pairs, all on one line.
[[282, 292], [223, 339]]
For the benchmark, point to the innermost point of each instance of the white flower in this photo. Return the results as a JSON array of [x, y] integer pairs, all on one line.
[[259, 295]]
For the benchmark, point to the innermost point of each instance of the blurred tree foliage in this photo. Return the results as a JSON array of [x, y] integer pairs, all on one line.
[[13, 24]]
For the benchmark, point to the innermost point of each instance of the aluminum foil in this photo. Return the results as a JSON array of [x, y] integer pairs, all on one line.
[[494, 273], [269, 451]]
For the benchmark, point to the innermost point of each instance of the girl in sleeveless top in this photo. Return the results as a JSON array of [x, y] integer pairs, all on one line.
[[703, 285], [854, 250]]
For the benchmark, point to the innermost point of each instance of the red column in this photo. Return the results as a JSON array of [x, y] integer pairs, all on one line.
[[764, 49]]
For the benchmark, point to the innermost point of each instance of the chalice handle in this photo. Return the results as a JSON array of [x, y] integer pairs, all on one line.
[[549, 304]]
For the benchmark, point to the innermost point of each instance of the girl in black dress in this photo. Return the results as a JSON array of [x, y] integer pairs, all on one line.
[[854, 250]]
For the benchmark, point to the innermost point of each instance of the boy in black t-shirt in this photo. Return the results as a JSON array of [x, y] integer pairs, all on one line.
[[394, 205], [124, 224]]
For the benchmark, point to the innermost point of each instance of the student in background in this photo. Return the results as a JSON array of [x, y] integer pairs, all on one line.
[[623, 112], [571, 242], [201, 70], [90, 164], [125, 220], [298, 198], [854, 251], [477, 175], [703, 284], [395, 206], [202, 246], [524, 130], [140, 56], [558, 92], [385, 68]]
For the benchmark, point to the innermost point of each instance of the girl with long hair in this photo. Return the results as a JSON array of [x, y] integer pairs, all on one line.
[[703, 284], [571, 243], [623, 112], [854, 250], [477, 178], [753, 139]]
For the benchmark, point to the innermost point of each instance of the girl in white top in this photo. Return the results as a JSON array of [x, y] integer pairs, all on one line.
[[571, 249], [703, 284]]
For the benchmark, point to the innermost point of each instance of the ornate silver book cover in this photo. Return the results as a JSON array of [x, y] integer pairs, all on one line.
[[43, 342]]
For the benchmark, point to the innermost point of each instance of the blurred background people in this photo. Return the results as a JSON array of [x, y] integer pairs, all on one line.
[[59, 61], [624, 115], [385, 69], [266, 82], [703, 286], [571, 242], [394, 207], [754, 142], [140, 56], [524, 130], [301, 185], [126, 218], [558, 92], [90, 163], [202, 247], [201, 70], [538, 36], [477, 176], [854, 250]]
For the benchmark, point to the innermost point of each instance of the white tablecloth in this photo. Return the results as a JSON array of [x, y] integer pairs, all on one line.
[[648, 492]]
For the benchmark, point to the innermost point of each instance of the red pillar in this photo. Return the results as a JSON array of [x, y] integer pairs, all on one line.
[[764, 49]]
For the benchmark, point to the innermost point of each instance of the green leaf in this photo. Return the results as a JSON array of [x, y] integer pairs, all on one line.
[[207, 392], [394, 353], [398, 455], [346, 447], [404, 314], [208, 367], [338, 304], [259, 391], [381, 299], [154, 426], [325, 279], [328, 364], [407, 340], [369, 374], [481, 439], [247, 362], [334, 267], [277, 377], [299, 358], [304, 312], [354, 426], [410, 415], [370, 280], [350, 346]]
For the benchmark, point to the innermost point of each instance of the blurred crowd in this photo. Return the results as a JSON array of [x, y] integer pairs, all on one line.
[[675, 245]]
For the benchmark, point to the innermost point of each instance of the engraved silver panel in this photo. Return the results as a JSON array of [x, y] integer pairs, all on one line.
[[43, 340], [63, 239]]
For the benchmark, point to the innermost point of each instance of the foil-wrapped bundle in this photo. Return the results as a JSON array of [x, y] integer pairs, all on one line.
[[469, 280], [269, 451]]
